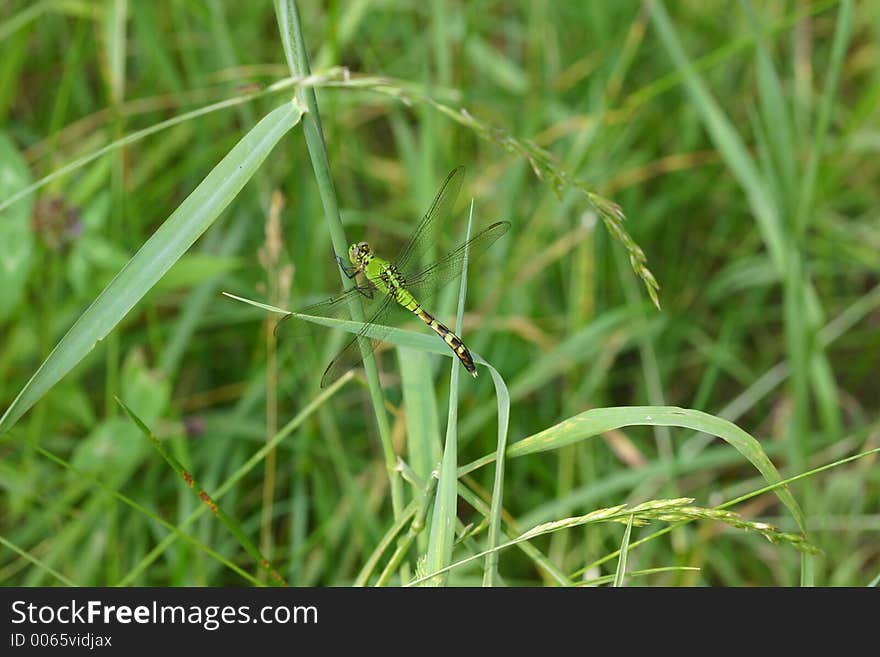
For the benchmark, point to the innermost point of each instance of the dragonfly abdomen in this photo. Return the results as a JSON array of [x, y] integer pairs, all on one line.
[[449, 338]]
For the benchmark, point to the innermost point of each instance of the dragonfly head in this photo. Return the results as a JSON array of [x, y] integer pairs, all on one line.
[[359, 254]]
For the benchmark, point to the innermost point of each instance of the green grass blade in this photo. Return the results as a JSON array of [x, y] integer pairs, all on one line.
[[542, 562], [393, 532], [290, 30], [20, 20], [728, 142], [624, 551], [138, 135], [113, 24], [499, 69], [608, 579], [239, 473], [16, 235], [442, 532], [442, 536], [596, 421], [838, 54], [192, 218], [24, 554], [422, 423], [606, 334], [392, 335], [502, 397], [777, 117], [147, 513], [204, 497]]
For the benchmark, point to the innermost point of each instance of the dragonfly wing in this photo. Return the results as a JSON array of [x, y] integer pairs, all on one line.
[[425, 234], [374, 330], [336, 307], [448, 268]]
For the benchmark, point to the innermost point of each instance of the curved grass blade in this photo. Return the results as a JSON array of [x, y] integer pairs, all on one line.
[[598, 420], [351, 355], [337, 308], [425, 234], [185, 225], [309, 333], [332, 308], [392, 335]]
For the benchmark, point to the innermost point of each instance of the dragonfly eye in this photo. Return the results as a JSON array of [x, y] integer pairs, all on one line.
[[358, 252]]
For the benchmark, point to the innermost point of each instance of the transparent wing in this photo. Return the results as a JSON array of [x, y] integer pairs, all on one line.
[[448, 268], [350, 356], [425, 234], [334, 308], [429, 281], [291, 327]]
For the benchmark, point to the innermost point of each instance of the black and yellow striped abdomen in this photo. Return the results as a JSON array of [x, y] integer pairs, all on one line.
[[389, 281], [449, 338]]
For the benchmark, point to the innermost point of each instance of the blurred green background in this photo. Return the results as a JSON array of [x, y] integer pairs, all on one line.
[[739, 139]]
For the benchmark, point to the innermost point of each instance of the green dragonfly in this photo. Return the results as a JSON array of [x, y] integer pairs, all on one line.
[[397, 284]]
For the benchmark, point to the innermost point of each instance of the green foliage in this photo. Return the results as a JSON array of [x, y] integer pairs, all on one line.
[[725, 152], [16, 236]]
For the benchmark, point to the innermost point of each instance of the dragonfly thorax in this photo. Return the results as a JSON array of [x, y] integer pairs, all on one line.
[[385, 283], [360, 254]]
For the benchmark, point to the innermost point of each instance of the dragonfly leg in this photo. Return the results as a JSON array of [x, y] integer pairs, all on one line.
[[349, 271], [366, 291]]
